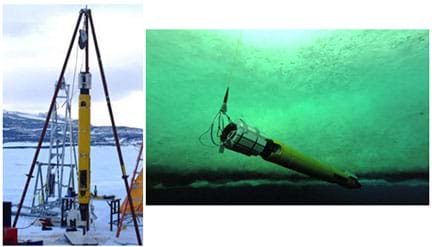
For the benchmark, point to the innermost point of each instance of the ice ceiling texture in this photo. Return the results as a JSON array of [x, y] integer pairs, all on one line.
[[354, 99]]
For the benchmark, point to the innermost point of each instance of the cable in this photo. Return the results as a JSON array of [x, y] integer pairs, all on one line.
[[25, 227], [75, 73], [235, 56], [215, 132]]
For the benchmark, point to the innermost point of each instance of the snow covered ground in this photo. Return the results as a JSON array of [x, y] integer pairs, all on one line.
[[105, 173]]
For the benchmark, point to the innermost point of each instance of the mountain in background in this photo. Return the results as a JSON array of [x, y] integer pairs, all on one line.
[[26, 127]]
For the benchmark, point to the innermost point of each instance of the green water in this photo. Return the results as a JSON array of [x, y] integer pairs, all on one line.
[[354, 99]]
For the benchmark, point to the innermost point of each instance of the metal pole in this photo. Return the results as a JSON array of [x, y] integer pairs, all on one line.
[[120, 156], [29, 175], [87, 11], [87, 69], [123, 212]]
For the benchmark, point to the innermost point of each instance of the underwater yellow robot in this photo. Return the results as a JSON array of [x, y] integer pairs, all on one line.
[[242, 138]]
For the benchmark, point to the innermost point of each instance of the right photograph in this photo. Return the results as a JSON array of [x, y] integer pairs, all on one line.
[[287, 117]]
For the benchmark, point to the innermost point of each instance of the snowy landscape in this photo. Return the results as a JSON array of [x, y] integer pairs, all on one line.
[[19, 127], [20, 131]]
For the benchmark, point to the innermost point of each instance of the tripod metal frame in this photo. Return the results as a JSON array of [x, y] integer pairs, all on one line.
[[88, 19]]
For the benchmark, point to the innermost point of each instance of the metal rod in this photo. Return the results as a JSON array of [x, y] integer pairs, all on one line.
[[123, 212], [86, 13], [42, 136], [46, 164], [87, 69], [120, 156]]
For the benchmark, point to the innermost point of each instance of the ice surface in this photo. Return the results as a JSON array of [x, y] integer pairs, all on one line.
[[105, 173]]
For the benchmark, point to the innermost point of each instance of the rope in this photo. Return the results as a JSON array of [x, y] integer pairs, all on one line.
[[72, 94], [215, 131], [218, 123], [234, 60], [25, 227]]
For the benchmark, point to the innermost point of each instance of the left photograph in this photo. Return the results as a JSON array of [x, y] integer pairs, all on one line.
[[73, 114]]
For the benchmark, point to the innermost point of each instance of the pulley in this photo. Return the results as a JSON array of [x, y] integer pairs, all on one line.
[[83, 38]]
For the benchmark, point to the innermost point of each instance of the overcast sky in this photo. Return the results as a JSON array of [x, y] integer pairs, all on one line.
[[35, 41]]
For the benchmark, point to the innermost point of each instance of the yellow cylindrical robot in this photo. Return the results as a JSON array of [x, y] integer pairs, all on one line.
[[247, 140], [84, 131]]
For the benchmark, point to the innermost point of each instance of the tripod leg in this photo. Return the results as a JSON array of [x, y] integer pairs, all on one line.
[[123, 212], [42, 136], [120, 156]]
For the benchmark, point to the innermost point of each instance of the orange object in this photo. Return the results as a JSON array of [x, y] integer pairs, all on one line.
[[136, 191], [137, 197]]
